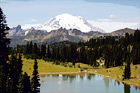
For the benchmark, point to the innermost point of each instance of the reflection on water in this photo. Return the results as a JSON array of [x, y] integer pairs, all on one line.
[[126, 89], [106, 81], [118, 82], [84, 83]]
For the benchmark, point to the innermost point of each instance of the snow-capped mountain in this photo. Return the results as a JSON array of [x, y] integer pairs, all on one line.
[[68, 21], [61, 28]]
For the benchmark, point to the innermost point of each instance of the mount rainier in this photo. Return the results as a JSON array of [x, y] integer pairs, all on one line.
[[64, 27], [68, 21]]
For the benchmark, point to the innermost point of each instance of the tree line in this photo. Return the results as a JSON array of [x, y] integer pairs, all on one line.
[[114, 51], [12, 78]]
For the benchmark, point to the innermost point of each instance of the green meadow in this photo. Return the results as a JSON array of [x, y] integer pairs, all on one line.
[[45, 67], [117, 72]]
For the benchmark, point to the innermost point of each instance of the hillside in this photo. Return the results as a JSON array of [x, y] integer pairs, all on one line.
[[40, 36]]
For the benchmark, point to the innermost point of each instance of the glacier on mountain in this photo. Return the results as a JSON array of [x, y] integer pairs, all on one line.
[[68, 21]]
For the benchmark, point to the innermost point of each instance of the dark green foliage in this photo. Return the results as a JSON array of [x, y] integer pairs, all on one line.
[[92, 57], [126, 88], [35, 79], [24, 84], [136, 54], [72, 54], [43, 50], [31, 51], [4, 51], [118, 56], [2, 79], [30, 48], [63, 54], [27, 48], [35, 49], [15, 70], [137, 36], [4, 41], [48, 52], [82, 55], [19, 66], [127, 70]]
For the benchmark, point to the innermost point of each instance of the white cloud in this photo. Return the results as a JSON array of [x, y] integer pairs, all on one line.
[[32, 20], [110, 26], [112, 16], [27, 26]]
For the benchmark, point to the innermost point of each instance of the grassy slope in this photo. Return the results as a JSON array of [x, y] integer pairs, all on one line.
[[45, 67], [117, 72]]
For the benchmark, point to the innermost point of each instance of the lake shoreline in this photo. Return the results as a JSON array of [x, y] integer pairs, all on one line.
[[57, 73], [124, 82], [64, 73]]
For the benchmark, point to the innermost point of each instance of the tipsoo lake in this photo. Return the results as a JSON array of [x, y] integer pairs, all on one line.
[[83, 83]]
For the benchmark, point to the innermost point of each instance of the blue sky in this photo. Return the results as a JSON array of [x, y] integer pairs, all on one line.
[[108, 15]]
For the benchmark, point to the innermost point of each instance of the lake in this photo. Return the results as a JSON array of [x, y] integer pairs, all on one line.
[[83, 83]]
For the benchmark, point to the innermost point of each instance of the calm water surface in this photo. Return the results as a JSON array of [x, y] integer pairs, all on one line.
[[83, 83]]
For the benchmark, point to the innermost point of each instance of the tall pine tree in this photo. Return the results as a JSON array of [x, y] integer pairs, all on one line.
[[127, 70], [24, 84], [4, 51], [35, 79], [43, 50], [48, 52], [4, 41]]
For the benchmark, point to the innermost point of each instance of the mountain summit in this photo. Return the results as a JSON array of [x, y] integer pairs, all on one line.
[[68, 21]]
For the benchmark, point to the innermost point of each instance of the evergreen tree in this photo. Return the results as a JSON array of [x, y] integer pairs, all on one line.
[[137, 35], [127, 70], [43, 50], [9, 84], [2, 79], [48, 52], [30, 47], [27, 48], [89, 57], [118, 56], [82, 55], [53, 54], [64, 54], [107, 56], [4, 41], [17, 49], [94, 57], [13, 71], [58, 54], [10, 70], [136, 54], [4, 51], [71, 54], [35, 79], [35, 49], [19, 65], [24, 84]]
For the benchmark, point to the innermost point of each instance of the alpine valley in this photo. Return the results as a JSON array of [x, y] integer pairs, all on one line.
[[64, 27]]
